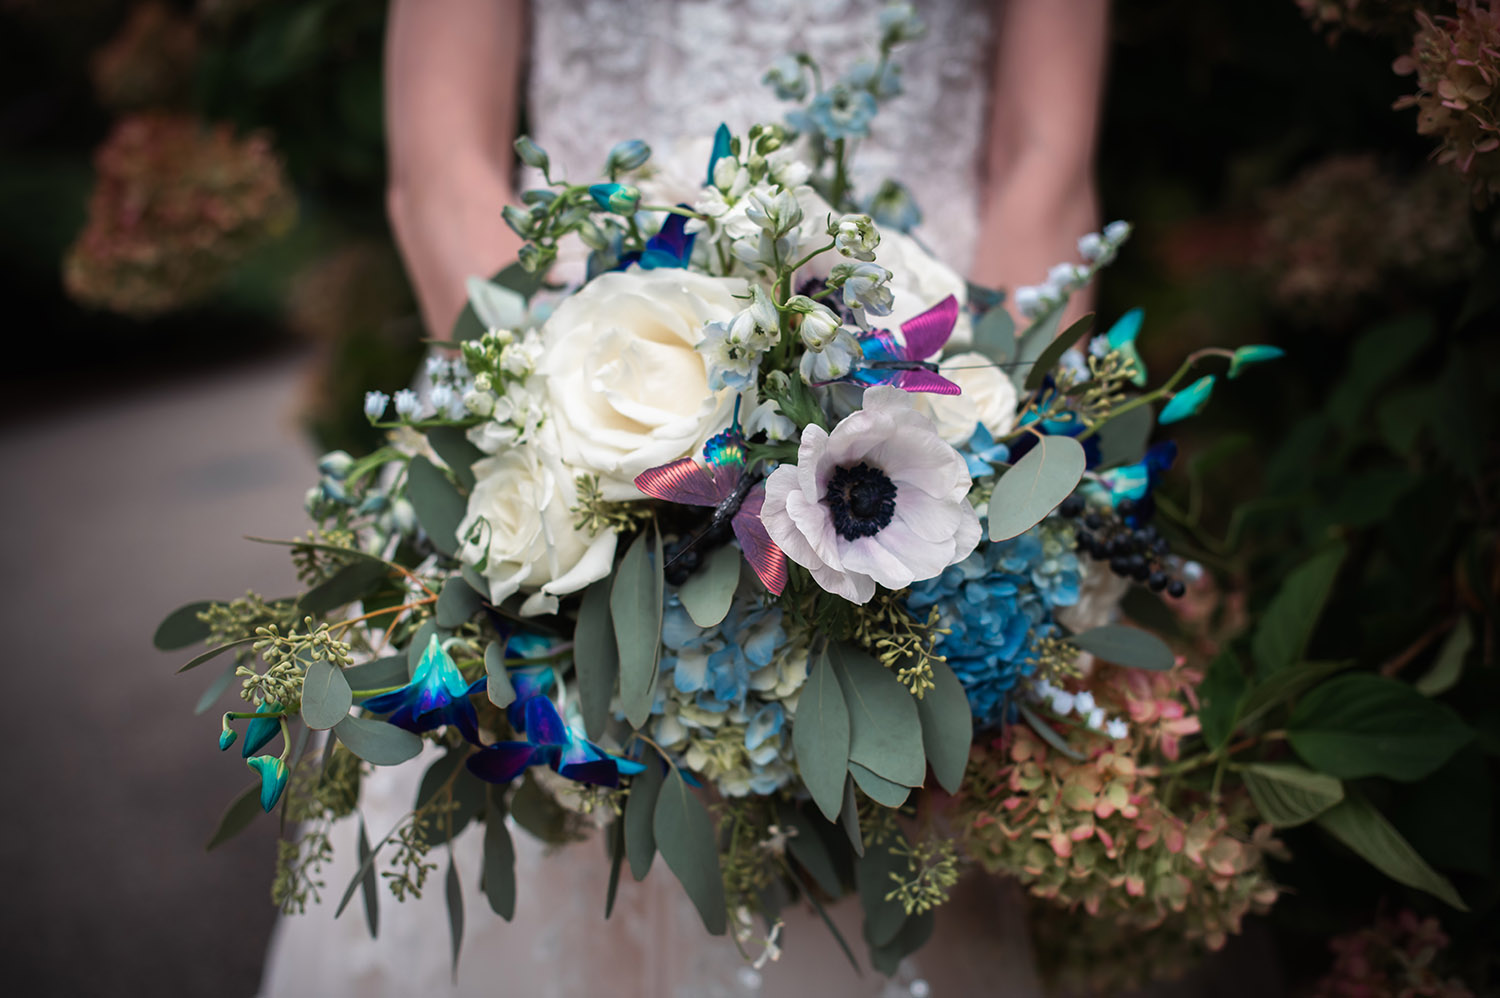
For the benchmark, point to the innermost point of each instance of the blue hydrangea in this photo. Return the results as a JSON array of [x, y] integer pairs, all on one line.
[[996, 604], [840, 112]]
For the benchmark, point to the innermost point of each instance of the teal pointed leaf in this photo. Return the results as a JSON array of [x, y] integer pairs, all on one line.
[[215, 652], [820, 737], [1035, 485], [499, 858], [635, 603], [354, 581], [182, 627], [640, 815], [1188, 402], [453, 894], [369, 886], [947, 727], [686, 839], [237, 817], [885, 730], [849, 818], [596, 658], [1053, 351], [438, 505]]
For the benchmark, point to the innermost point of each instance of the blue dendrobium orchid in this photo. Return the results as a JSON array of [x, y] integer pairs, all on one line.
[[259, 731], [551, 743], [671, 247], [1188, 402], [618, 198], [1137, 481], [436, 695], [273, 777]]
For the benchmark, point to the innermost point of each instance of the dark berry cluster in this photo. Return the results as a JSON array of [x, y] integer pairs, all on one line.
[[1133, 552], [684, 555]]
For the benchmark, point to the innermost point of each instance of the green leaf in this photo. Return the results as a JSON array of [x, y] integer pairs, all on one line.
[[808, 848], [215, 652], [1033, 341], [707, 593], [379, 674], [499, 688], [1127, 646], [237, 816], [514, 278], [377, 742], [878, 788], [1288, 795], [1378, 356], [452, 445], [182, 627], [596, 660], [439, 507], [820, 737], [454, 895], [1288, 684], [635, 603], [947, 727], [468, 795], [685, 836], [1367, 725], [456, 604], [538, 812], [354, 581], [215, 690], [1123, 439], [849, 817], [499, 858], [616, 860], [1048, 733], [885, 731], [326, 697], [1221, 698], [914, 934], [1281, 637], [1449, 664], [1365, 830], [995, 335], [1033, 487], [369, 886], [640, 812], [872, 874], [1053, 352]]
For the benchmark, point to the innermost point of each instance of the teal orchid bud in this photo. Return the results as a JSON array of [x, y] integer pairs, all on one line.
[[336, 464], [626, 156], [404, 517], [1188, 402], [531, 154], [261, 730], [273, 777], [227, 735], [621, 199], [1254, 354]]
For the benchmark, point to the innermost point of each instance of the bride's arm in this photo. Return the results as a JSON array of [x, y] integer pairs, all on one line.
[[452, 79], [1039, 193]]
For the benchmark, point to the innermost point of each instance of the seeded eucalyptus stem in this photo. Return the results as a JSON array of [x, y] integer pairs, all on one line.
[[1164, 391]]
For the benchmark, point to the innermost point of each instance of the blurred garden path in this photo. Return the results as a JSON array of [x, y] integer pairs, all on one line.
[[113, 515]]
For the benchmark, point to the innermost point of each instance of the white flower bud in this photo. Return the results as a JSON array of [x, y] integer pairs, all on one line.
[[855, 236]]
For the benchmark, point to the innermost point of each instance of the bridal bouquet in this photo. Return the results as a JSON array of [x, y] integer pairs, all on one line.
[[765, 544]]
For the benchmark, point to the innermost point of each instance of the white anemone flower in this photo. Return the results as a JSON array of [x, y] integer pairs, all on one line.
[[881, 500]]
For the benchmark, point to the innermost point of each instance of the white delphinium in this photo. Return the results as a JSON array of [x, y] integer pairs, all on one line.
[[734, 348], [834, 361], [865, 286], [408, 404], [819, 322], [1063, 279], [1082, 705], [375, 405], [767, 418], [856, 237]]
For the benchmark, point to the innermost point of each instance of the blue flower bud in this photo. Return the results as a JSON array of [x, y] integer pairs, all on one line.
[[375, 403], [336, 464], [373, 504], [273, 777], [1254, 354], [618, 198], [628, 155], [1188, 402], [531, 154]]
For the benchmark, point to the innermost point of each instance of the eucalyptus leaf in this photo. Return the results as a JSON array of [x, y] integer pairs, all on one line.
[[1048, 735], [453, 894], [947, 727], [452, 445], [215, 652], [1035, 485], [1127, 646], [380, 674], [1054, 350], [1356, 823], [995, 335], [1123, 438], [369, 886], [640, 813], [878, 788], [467, 790], [885, 731], [808, 848], [873, 875], [326, 697], [377, 742], [456, 604], [1366, 725], [635, 603], [596, 659], [499, 858], [1221, 698], [707, 593], [685, 836], [438, 505], [616, 860], [820, 737], [237, 816], [353, 582], [1288, 795], [215, 690], [1449, 664], [1284, 630], [182, 627], [1033, 341], [913, 935], [849, 817], [538, 812], [498, 685], [513, 278]]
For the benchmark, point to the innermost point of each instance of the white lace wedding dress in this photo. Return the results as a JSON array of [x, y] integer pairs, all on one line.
[[665, 70]]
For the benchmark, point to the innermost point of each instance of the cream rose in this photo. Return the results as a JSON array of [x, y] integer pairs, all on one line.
[[626, 390], [519, 534], [918, 282], [988, 397]]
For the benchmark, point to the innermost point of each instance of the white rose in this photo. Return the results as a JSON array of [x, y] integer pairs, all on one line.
[[918, 282], [989, 397], [626, 388], [519, 532]]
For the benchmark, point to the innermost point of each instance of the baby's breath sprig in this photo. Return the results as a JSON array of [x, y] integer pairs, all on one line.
[[900, 641], [931, 871], [593, 513]]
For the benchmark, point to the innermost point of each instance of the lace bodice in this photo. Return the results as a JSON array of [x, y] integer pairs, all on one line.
[[665, 70]]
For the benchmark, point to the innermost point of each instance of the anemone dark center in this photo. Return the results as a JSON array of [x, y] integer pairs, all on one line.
[[862, 500]]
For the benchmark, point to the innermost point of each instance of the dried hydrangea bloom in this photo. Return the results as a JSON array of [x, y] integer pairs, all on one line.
[[1331, 18], [148, 62], [177, 204], [1398, 955]]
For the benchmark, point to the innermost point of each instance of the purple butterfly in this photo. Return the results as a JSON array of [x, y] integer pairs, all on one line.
[[723, 482], [905, 364]]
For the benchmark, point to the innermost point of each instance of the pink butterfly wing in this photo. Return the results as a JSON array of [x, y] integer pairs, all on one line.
[[925, 381], [690, 482], [768, 560], [926, 334]]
